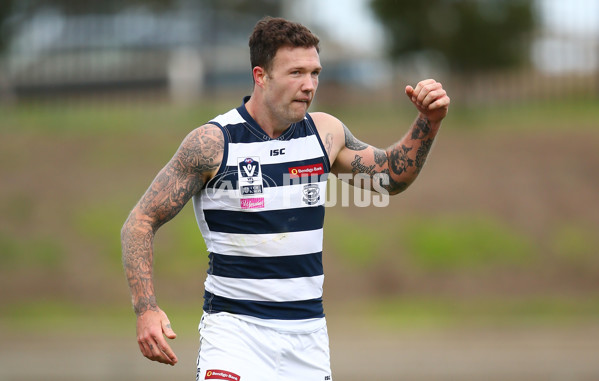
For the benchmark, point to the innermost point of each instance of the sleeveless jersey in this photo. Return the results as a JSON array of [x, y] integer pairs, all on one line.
[[262, 219]]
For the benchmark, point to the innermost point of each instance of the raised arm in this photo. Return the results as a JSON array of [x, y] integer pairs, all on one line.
[[194, 163], [401, 162]]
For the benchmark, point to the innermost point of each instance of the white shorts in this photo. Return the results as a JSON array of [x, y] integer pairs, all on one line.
[[237, 350]]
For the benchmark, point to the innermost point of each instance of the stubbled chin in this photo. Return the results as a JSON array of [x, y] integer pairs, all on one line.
[[303, 105], [298, 118]]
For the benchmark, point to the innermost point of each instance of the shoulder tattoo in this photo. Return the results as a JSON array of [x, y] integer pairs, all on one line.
[[202, 149], [351, 142]]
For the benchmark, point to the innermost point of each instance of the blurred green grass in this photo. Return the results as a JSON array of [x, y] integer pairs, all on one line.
[[428, 313], [451, 242], [42, 252], [121, 118], [446, 242], [62, 118], [65, 318]]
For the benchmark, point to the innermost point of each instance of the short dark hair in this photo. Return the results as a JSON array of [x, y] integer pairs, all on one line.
[[270, 34]]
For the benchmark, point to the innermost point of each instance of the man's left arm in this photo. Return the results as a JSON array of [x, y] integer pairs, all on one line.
[[398, 165]]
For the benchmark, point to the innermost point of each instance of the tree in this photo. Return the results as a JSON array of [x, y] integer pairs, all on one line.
[[470, 34], [6, 8]]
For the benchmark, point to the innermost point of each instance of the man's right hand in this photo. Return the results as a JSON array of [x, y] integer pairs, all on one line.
[[152, 327]]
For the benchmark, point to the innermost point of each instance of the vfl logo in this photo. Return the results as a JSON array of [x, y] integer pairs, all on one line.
[[249, 171], [250, 182], [249, 167], [311, 194]]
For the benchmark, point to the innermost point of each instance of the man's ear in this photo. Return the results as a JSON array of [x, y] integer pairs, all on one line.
[[259, 76]]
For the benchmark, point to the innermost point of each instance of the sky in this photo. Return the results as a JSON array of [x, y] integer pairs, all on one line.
[[353, 22], [580, 17], [572, 35]]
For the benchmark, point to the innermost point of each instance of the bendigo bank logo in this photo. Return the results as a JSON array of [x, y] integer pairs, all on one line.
[[306, 170], [215, 374]]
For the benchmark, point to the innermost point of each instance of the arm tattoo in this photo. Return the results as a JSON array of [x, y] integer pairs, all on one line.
[[138, 269], [380, 156], [422, 153], [393, 186], [399, 164], [204, 152], [399, 161], [184, 175], [421, 129], [351, 142], [328, 143], [358, 167]]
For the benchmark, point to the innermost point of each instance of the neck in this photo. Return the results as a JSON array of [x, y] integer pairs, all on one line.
[[271, 125]]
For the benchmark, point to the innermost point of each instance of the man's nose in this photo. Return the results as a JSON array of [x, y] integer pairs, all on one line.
[[309, 83]]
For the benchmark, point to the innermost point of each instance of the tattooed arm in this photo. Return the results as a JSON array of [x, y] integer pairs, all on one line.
[[400, 163], [194, 163]]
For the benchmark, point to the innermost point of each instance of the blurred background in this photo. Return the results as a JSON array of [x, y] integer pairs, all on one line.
[[487, 267]]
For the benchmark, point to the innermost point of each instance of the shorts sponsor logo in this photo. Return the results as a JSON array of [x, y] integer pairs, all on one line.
[[217, 374], [306, 170], [252, 203]]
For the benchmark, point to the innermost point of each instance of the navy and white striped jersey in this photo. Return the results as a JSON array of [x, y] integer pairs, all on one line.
[[262, 219]]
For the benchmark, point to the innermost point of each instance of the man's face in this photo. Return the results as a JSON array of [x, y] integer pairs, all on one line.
[[291, 83]]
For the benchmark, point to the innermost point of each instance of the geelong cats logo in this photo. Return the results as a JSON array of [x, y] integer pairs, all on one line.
[[311, 194]]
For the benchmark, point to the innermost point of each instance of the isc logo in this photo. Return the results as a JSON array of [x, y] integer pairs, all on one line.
[[277, 152]]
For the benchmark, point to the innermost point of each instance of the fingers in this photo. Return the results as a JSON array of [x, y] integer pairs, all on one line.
[[430, 99], [165, 349], [440, 103], [433, 99], [426, 93], [415, 93], [157, 349], [168, 330], [152, 327]]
